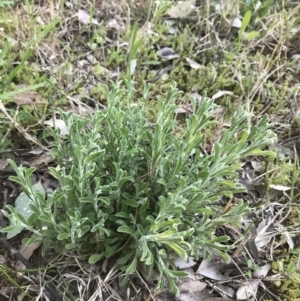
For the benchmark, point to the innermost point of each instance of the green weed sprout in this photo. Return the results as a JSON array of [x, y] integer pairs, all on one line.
[[139, 191]]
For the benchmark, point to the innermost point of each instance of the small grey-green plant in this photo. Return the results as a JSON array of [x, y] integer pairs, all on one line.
[[139, 191]]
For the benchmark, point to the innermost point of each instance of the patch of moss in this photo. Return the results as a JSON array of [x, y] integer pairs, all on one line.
[[284, 173], [98, 93], [115, 58], [289, 287]]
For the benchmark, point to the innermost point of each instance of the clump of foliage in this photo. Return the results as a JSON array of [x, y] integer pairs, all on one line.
[[141, 191], [288, 285]]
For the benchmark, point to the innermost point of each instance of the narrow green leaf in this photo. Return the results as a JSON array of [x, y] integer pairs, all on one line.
[[55, 173], [63, 236], [32, 219], [125, 229], [94, 156], [176, 274], [131, 203], [291, 267], [179, 251], [31, 240], [122, 214], [245, 21], [29, 172], [94, 258], [44, 218], [251, 35], [70, 246], [132, 267]]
